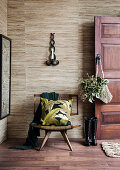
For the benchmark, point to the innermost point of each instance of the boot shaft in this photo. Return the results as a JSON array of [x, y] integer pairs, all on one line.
[[90, 124], [87, 130], [87, 123], [93, 130], [90, 129], [94, 124]]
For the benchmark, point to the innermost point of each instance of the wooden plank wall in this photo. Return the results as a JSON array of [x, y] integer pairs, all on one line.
[[30, 23], [3, 30]]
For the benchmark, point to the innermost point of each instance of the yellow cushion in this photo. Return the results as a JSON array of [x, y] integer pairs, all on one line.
[[56, 112]]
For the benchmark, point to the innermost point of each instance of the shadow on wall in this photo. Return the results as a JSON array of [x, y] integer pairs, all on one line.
[[22, 115], [88, 64], [19, 119]]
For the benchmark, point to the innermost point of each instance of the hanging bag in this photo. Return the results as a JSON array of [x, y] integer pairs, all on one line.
[[105, 94]]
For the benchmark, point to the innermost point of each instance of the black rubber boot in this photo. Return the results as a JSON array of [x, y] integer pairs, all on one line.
[[93, 130], [87, 131]]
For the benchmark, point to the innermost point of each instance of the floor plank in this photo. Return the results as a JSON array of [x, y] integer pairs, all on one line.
[[56, 156]]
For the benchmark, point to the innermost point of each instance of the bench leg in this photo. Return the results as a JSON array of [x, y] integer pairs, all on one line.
[[45, 139], [64, 134]]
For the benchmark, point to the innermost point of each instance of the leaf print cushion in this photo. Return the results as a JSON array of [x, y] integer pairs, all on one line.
[[56, 112]]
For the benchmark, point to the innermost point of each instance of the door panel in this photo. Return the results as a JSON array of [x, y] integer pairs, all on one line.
[[112, 75], [108, 107], [110, 117], [114, 87], [110, 131], [110, 30], [111, 57], [107, 44]]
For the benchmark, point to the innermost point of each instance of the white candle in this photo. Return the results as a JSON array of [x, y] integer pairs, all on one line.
[[52, 56]]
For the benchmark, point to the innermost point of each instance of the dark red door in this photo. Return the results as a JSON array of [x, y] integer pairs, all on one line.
[[107, 44]]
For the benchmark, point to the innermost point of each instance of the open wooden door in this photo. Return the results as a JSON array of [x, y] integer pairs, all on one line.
[[107, 44]]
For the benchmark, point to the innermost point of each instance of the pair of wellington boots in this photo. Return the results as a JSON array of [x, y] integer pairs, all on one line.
[[90, 131]]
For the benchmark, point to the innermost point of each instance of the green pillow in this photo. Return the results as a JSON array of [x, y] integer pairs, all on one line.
[[56, 112]]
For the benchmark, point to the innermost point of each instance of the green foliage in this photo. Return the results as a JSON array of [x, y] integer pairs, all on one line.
[[91, 87]]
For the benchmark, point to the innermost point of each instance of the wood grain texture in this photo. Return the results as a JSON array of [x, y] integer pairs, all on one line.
[[108, 123], [30, 23], [56, 156], [3, 30]]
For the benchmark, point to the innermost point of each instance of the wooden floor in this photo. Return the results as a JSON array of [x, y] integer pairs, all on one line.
[[56, 156]]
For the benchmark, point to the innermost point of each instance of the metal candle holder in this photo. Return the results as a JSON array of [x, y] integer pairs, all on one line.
[[52, 58]]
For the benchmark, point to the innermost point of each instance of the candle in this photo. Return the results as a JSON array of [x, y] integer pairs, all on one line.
[[52, 55]]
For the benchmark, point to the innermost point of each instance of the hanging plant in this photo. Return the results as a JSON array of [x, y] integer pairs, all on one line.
[[91, 87]]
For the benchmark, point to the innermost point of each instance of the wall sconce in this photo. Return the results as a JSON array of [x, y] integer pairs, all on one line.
[[52, 58]]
